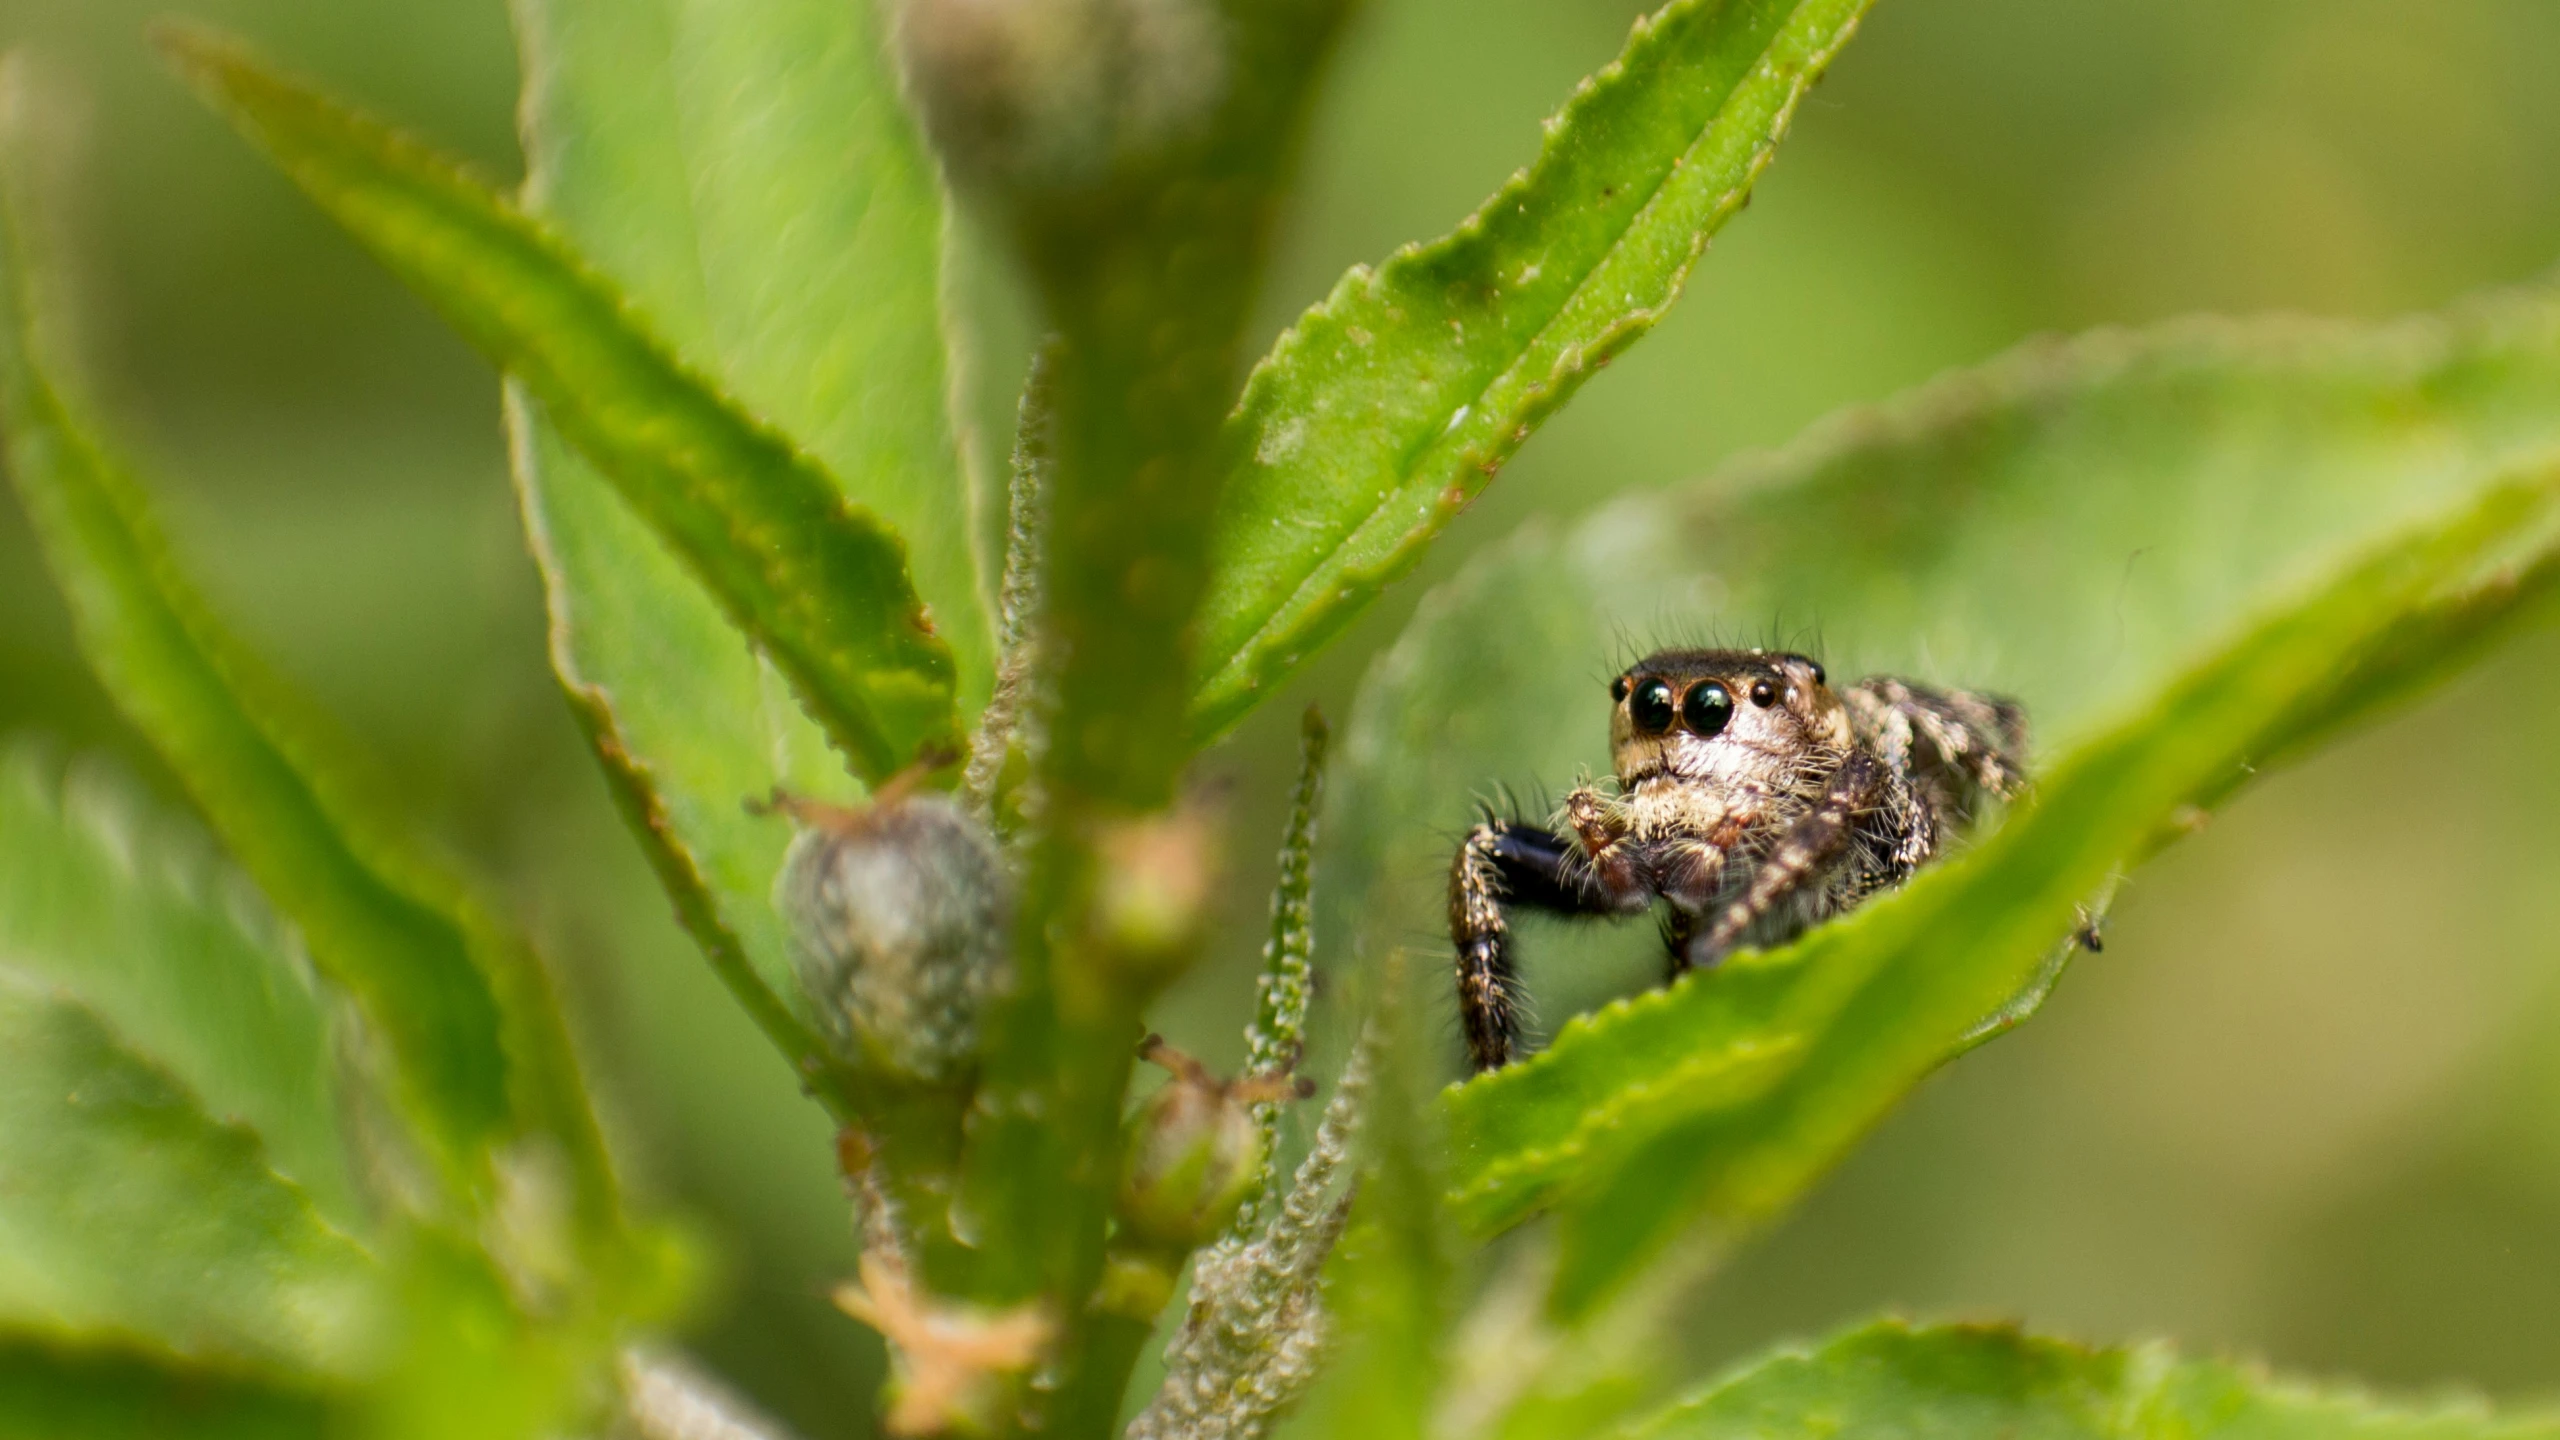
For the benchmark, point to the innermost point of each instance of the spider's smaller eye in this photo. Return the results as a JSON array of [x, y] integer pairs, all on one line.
[[1763, 694], [1618, 691], [1706, 708], [1819, 678], [1650, 706]]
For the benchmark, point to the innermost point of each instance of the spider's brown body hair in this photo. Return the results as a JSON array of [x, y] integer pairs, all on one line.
[[1750, 797]]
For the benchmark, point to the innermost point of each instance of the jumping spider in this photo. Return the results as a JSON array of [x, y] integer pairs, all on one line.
[[1750, 795]]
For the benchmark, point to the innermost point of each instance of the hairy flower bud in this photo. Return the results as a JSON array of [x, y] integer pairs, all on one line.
[[1194, 1153], [899, 914], [1049, 96]]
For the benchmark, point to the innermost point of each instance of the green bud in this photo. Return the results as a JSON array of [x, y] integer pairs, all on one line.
[[899, 914], [1193, 1154], [1152, 890]]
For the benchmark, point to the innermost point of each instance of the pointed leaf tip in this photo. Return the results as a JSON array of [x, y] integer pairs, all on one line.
[[1391, 403]]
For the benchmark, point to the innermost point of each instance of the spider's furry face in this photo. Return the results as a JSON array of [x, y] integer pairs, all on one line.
[[1747, 718]]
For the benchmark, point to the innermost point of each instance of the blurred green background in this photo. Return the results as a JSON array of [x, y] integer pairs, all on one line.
[[2307, 1104]]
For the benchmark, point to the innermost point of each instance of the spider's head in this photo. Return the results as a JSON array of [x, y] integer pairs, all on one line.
[[1721, 716]]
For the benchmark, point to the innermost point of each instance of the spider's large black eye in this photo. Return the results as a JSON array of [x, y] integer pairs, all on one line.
[[1706, 708], [1650, 706]]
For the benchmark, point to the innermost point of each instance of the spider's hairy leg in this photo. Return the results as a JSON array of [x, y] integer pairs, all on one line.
[[1882, 725], [1982, 738], [1503, 863], [1885, 729], [1976, 740], [1808, 850], [1488, 984]]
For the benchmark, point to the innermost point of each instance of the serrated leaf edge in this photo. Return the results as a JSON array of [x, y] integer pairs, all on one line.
[[1225, 692]]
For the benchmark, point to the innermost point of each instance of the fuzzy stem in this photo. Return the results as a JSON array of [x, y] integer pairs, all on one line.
[[1026, 534], [1147, 271], [1276, 1037]]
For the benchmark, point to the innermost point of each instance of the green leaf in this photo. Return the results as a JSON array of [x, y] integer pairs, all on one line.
[[234, 740], [129, 1212], [748, 176], [821, 584], [477, 1044], [1891, 1379], [1842, 1024], [469, 1360], [2076, 525], [1390, 405], [752, 178], [54, 1392], [181, 956]]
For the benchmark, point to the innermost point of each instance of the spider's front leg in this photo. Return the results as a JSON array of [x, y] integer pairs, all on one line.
[[1806, 852], [1503, 863]]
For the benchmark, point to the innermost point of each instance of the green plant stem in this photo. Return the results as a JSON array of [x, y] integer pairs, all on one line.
[[1147, 279], [1112, 1346]]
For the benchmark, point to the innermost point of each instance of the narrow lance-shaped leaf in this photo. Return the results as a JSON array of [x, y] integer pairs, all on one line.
[[129, 1213], [820, 584], [748, 176], [188, 689], [1890, 1378], [1390, 405], [479, 1051], [2073, 526], [1249, 1331]]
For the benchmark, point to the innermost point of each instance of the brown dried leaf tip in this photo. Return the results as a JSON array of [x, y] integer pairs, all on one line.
[[949, 1364]]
